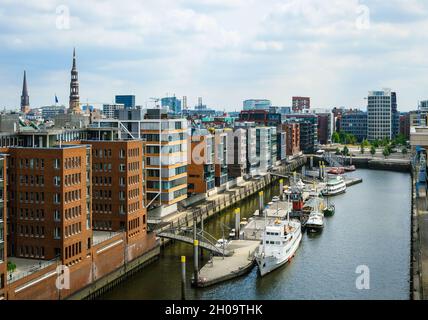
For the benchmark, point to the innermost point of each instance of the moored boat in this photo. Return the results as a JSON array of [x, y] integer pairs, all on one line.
[[334, 186], [350, 168], [329, 210], [279, 244]]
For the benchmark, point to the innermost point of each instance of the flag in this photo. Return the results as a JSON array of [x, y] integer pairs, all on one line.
[[56, 99]]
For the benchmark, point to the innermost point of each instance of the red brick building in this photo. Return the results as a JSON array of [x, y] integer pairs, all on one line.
[[49, 200], [292, 138], [405, 125], [300, 104], [117, 183]]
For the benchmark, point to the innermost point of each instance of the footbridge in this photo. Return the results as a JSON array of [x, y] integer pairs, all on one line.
[[187, 235]]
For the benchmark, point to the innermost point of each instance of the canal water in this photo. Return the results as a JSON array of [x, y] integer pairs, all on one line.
[[371, 228]]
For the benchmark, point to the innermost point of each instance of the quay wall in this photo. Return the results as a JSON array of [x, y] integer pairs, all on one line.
[[109, 263], [416, 288], [399, 165]]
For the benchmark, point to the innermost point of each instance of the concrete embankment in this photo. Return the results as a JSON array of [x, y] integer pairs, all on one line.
[[419, 241]]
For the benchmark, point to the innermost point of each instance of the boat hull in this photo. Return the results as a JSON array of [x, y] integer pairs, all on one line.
[[270, 263]]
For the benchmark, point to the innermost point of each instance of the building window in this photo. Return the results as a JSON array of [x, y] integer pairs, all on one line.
[[57, 233], [57, 164], [57, 181]]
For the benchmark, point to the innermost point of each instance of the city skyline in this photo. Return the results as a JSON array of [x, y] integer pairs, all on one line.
[[333, 54]]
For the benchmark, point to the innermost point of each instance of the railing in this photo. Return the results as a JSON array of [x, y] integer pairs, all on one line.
[[16, 275]]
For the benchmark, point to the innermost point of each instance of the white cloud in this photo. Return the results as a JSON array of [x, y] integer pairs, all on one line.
[[227, 50]]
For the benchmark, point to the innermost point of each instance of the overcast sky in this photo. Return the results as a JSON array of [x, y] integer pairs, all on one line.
[[223, 50]]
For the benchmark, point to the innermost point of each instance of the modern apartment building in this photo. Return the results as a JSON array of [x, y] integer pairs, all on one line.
[[252, 159], [266, 148], [220, 153], [117, 187], [236, 152], [164, 153], [405, 124], [281, 152], [292, 137], [165, 158], [308, 127], [300, 104], [201, 168], [379, 115], [49, 203]]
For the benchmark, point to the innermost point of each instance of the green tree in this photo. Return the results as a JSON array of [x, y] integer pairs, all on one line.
[[373, 151], [335, 137], [11, 267], [386, 152], [337, 151], [345, 151], [404, 151], [366, 143], [362, 148]]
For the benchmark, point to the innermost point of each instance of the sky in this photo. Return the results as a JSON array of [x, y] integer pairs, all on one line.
[[225, 51]]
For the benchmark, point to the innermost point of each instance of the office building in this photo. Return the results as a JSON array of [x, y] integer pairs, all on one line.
[[111, 111], [50, 112], [127, 100], [257, 104], [172, 103], [379, 115], [355, 122]]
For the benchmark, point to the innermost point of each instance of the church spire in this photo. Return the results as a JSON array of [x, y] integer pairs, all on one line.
[[74, 88], [25, 99]]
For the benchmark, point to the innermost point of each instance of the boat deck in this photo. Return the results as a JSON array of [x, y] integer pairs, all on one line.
[[222, 269]]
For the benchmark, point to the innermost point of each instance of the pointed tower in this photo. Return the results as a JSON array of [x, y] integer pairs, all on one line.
[[25, 99], [74, 106]]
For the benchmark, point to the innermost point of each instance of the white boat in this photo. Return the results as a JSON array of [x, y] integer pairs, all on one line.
[[275, 199], [334, 186], [280, 242], [315, 221]]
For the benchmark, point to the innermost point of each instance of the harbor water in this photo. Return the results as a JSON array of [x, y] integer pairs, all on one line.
[[370, 231]]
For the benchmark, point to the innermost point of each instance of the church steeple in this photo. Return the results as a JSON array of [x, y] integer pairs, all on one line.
[[25, 99], [74, 88]]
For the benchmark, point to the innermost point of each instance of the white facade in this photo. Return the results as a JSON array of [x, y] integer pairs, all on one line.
[[379, 115], [109, 110]]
